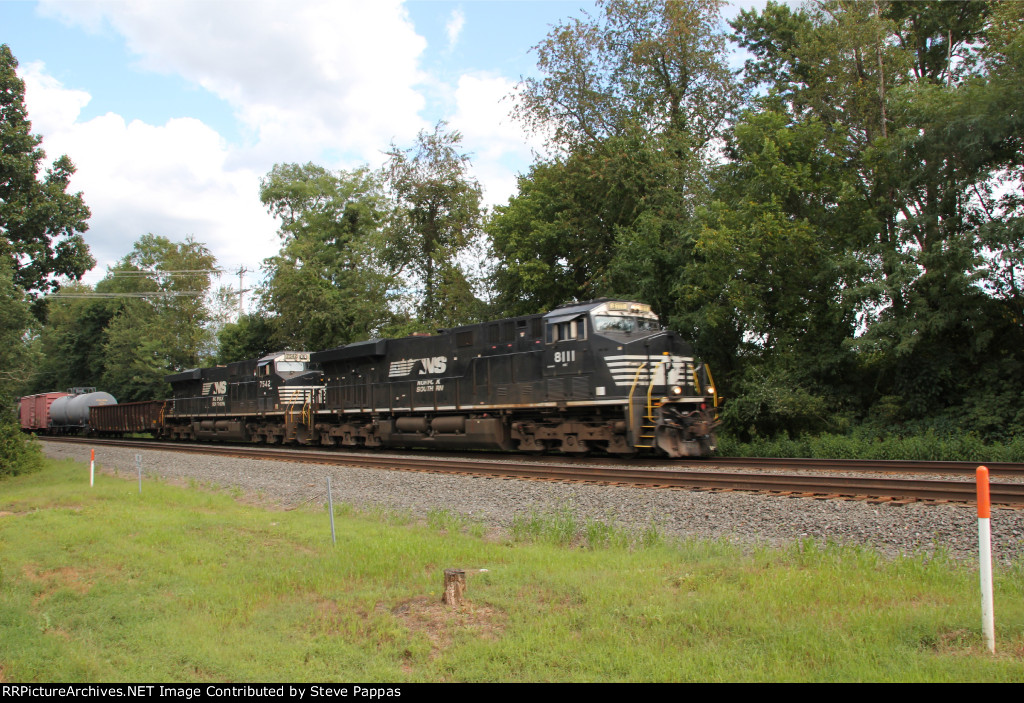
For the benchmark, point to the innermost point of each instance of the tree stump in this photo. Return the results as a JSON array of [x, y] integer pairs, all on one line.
[[454, 586]]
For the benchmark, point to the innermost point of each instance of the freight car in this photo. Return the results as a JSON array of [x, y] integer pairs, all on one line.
[[127, 418], [34, 411], [61, 413], [599, 375]]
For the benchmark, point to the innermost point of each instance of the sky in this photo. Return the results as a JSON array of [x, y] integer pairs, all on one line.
[[172, 111]]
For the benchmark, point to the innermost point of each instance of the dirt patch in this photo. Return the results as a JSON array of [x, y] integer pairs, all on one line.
[[442, 624], [55, 579]]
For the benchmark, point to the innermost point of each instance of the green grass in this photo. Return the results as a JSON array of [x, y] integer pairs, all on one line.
[[185, 584], [926, 447]]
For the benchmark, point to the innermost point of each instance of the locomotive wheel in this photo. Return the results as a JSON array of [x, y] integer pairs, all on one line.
[[571, 444]]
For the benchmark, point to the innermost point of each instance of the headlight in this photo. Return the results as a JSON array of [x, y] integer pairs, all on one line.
[[677, 390], [711, 390]]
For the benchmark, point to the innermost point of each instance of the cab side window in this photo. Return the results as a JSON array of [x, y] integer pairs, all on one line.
[[566, 331]]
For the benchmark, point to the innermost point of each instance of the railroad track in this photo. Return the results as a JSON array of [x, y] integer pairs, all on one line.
[[870, 488]]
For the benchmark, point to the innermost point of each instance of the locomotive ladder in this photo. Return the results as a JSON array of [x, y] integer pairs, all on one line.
[[645, 439], [637, 437]]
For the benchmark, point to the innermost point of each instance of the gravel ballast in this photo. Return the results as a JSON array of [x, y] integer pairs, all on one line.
[[743, 518]]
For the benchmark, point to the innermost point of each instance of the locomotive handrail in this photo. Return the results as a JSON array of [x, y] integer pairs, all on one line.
[[632, 389], [711, 380], [650, 388]]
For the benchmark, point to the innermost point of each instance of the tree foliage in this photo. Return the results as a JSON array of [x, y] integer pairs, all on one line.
[[41, 224], [632, 100], [154, 321], [647, 65], [435, 216], [15, 320], [329, 284]]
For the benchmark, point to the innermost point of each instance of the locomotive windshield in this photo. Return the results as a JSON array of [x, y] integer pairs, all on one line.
[[290, 366], [626, 324], [621, 319]]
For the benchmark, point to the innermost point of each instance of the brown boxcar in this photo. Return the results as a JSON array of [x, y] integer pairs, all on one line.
[[125, 418], [34, 410]]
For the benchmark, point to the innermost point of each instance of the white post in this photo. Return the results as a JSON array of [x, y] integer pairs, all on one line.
[[330, 507], [988, 625], [92, 467]]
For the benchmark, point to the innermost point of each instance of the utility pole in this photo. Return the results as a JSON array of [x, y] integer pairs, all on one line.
[[241, 290]]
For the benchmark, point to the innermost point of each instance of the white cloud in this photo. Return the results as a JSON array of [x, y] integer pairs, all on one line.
[[53, 106], [499, 144], [298, 75], [454, 27], [169, 179], [302, 78]]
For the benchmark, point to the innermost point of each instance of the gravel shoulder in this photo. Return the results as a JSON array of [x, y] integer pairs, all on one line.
[[746, 519]]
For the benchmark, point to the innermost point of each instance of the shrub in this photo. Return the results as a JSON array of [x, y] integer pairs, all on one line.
[[19, 453]]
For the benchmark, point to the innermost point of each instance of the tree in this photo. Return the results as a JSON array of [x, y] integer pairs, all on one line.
[[632, 102], [435, 216], [768, 285], [250, 337], [168, 283], [15, 319], [70, 344], [647, 65], [148, 317], [561, 238], [917, 96], [40, 222], [328, 285]]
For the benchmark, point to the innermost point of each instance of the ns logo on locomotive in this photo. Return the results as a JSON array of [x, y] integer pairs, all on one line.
[[601, 375]]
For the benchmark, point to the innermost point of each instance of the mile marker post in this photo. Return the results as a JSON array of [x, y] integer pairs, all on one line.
[[92, 467], [988, 626]]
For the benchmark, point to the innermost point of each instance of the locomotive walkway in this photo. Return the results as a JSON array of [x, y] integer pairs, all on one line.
[[761, 475]]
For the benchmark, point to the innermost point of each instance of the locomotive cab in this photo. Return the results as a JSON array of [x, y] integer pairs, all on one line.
[[286, 379], [624, 321]]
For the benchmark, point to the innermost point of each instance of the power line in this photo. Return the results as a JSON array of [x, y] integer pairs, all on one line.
[[160, 272], [137, 294]]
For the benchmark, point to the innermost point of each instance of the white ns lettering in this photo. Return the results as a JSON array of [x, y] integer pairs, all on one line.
[[437, 364]]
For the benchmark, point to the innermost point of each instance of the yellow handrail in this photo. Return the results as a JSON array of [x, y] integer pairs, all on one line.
[[636, 379], [650, 388], [714, 386]]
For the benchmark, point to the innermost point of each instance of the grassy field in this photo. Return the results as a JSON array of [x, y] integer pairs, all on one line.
[[191, 584]]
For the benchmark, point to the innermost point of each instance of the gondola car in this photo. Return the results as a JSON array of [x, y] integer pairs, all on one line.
[[600, 375]]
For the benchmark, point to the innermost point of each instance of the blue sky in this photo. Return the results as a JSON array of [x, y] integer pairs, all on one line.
[[172, 111]]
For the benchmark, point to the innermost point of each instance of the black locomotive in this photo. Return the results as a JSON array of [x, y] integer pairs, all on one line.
[[269, 399], [598, 375], [601, 375]]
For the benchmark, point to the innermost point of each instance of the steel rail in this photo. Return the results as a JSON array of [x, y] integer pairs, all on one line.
[[802, 485], [874, 465]]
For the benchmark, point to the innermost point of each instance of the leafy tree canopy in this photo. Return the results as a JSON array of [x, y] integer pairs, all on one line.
[[435, 218], [329, 284], [41, 224]]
